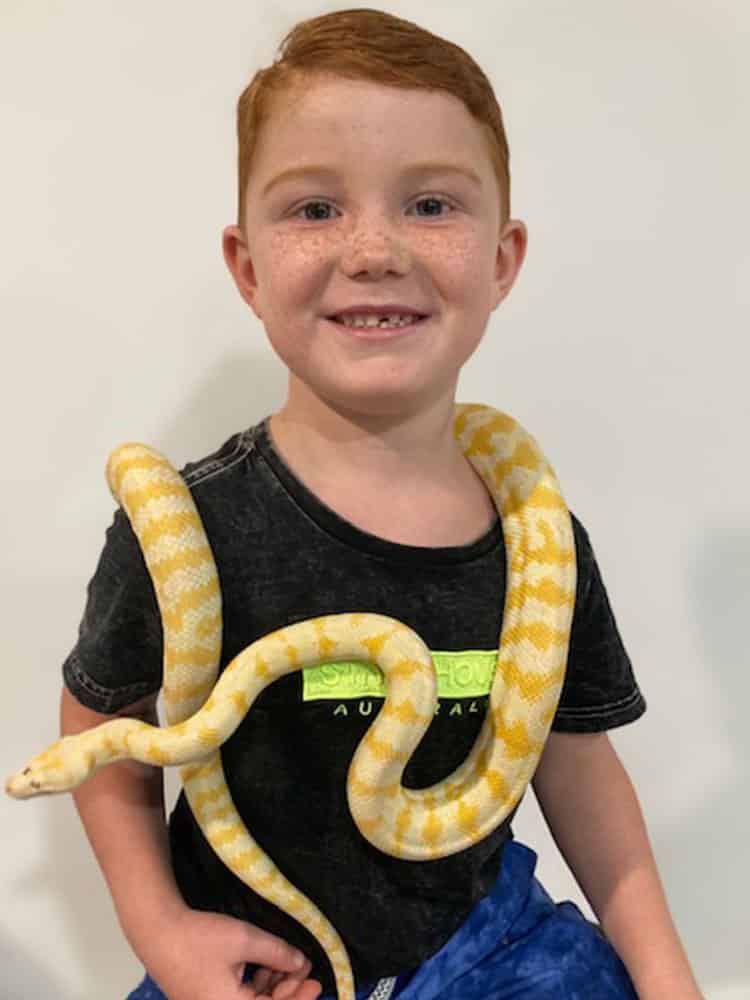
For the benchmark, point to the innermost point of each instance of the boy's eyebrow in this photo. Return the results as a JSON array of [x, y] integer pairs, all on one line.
[[322, 170]]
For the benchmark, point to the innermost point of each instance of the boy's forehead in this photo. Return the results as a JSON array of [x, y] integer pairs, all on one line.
[[325, 111], [334, 98]]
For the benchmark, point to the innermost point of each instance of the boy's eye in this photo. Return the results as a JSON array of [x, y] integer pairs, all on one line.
[[309, 204], [427, 198]]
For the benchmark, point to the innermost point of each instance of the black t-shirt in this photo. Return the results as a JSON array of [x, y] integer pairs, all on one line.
[[283, 556]]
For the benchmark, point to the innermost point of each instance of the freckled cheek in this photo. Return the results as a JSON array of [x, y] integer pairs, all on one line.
[[466, 267], [294, 268], [457, 263]]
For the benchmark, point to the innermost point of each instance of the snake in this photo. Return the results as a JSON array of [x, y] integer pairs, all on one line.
[[203, 706]]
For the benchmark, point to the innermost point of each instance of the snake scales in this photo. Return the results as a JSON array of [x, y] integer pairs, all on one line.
[[203, 712]]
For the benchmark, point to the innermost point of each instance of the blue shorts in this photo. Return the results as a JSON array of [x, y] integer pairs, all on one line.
[[517, 944]]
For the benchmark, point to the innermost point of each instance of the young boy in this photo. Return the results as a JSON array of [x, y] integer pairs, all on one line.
[[355, 496]]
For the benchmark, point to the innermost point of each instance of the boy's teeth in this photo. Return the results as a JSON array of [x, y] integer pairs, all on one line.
[[379, 321]]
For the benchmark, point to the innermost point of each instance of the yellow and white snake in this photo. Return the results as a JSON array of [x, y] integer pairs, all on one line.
[[203, 712]]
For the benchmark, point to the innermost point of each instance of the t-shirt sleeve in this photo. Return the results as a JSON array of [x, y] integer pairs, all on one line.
[[600, 691], [117, 659]]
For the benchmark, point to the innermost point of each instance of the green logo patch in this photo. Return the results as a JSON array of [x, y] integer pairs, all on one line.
[[466, 674]]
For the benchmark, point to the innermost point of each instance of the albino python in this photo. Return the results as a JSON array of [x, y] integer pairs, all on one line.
[[202, 713]]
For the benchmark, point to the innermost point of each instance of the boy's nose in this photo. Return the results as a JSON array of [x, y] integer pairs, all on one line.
[[377, 247]]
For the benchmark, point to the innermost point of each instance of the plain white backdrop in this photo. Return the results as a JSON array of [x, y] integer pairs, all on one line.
[[623, 348]]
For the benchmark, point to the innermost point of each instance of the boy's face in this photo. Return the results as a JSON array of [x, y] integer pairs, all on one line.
[[371, 231]]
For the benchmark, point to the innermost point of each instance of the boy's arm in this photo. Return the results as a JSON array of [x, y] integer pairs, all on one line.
[[192, 954], [125, 859], [595, 819]]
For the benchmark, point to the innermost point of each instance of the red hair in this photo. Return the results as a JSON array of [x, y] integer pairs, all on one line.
[[367, 44]]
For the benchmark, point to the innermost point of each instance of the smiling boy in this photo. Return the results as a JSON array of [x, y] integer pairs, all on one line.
[[363, 198]]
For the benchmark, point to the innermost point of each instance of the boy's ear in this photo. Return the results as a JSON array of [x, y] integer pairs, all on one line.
[[239, 262], [511, 252]]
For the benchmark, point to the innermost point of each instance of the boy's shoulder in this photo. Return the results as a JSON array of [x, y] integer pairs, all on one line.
[[234, 450]]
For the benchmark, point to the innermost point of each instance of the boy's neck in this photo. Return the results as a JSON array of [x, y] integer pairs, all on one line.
[[401, 478], [411, 445]]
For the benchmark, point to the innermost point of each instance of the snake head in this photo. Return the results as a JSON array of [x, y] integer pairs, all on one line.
[[45, 774]]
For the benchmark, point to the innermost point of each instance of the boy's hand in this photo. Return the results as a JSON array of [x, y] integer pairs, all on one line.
[[195, 955]]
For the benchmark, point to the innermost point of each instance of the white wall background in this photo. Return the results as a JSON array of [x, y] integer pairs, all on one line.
[[623, 348]]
